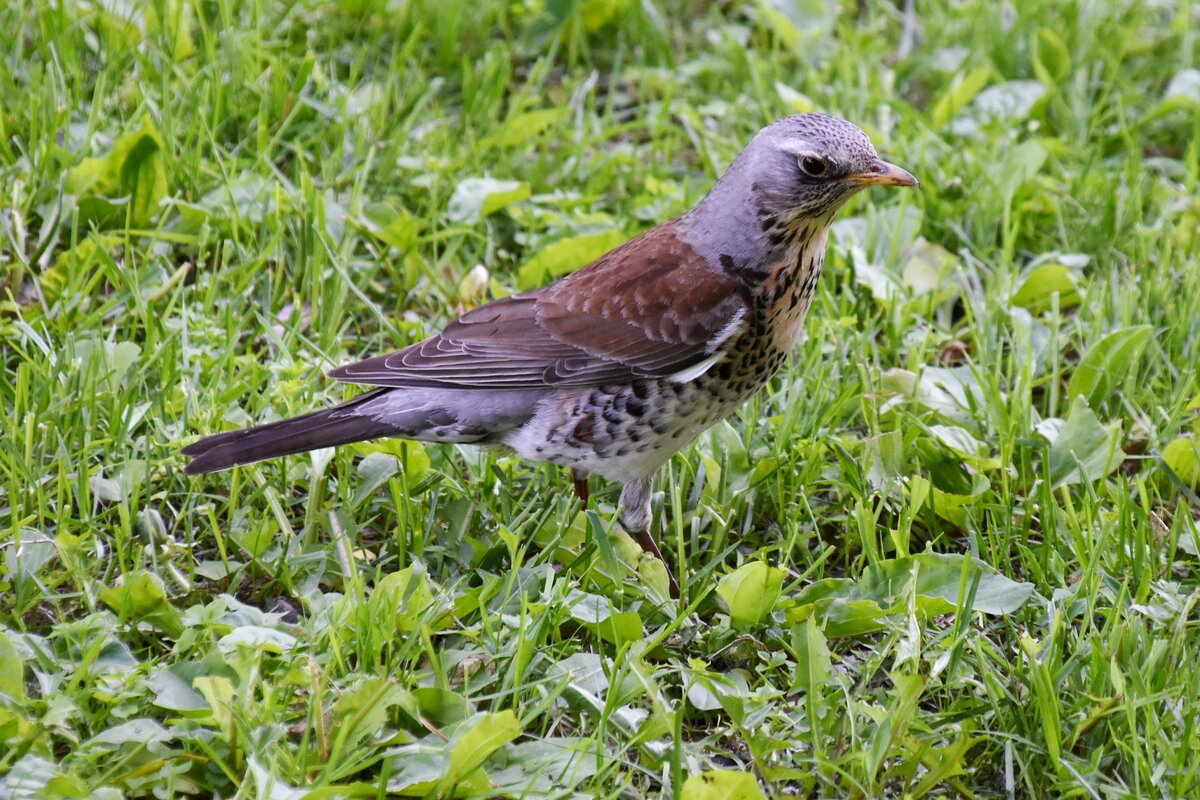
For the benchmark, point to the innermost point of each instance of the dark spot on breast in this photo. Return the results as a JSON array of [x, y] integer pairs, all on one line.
[[585, 429], [640, 389], [634, 408]]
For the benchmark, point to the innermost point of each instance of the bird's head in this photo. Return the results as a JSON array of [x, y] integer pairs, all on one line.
[[784, 188], [805, 167]]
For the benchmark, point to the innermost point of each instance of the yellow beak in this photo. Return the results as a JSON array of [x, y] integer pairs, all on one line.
[[881, 173]]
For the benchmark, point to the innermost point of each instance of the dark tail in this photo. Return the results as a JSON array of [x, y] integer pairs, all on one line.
[[333, 426]]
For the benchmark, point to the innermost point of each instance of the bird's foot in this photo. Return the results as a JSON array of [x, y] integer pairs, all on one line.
[[646, 540], [581, 486]]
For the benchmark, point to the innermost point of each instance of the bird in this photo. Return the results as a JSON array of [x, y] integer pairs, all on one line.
[[614, 368]]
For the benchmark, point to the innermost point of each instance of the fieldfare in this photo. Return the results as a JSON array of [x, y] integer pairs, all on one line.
[[614, 368]]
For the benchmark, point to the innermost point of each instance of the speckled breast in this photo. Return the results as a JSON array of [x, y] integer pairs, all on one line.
[[623, 431]]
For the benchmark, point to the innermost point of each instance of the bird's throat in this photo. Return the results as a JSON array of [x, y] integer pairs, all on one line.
[[786, 291]]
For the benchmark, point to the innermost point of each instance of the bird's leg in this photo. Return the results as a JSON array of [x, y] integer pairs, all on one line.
[[581, 486], [635, 518]]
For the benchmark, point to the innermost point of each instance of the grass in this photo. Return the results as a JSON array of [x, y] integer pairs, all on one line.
[[950, 551]]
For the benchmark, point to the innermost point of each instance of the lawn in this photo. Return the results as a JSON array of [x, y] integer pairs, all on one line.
[[950, 551]]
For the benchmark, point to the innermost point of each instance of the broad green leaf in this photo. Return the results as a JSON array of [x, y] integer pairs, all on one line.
[[247, 198], [26, 554], [141, 598], [410, 457], [273, 787], [931, 390], [653, 574], [131, 178], [476, 198], [929, 270], [115, 359], [848, 608], [403, 597], [702, 697], [813, 666], [883, 456], [597, 13], [441, 706], [946, 762], [12, 671], [952, 505], [175, 694], [960, 441], [720, 784], [962, 91], [74, 263], [940, 576], [1083, 450], [391, 224], [566, 255], [799, 23], [585, 673], [485, 737], [1006, 103], [622, 628], [840, 614], [218, 693], [597, 613], [135, 731], [588, 609], [710, 691], [1037, 290], [257, 637], [750, 592], [417, 768], [1021, 164], [796, 102], [523, 129], [1189, 532], [540, 766], [1182, 92], [1108, 363], [374, 470], [1182, 456], [363, 711], [122, 356], [28, 777]]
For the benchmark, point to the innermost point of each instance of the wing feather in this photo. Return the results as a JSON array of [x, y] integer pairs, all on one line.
[[652, 308]]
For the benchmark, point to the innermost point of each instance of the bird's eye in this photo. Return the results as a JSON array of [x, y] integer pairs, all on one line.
[[814, 167]]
